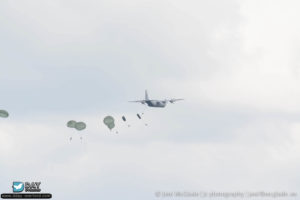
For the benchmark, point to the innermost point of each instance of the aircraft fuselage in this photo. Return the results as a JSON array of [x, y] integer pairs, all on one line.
[[156, 103]]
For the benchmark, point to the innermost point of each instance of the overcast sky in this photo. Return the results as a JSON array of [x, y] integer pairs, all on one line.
[[235, 63]]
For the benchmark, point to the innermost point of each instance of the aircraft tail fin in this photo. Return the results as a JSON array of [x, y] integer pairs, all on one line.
[[146, 95]]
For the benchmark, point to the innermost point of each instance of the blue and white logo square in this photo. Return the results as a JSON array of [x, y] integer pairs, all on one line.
[[18, 186]]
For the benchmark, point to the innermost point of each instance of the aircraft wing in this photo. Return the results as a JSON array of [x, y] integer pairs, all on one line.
[[174, 100], [138, 101]]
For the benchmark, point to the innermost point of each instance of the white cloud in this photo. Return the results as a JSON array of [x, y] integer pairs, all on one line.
[[260, 69], [258, 153], [235, 63]]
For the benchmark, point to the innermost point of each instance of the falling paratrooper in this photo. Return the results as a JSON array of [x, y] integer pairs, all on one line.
[[124, 119], [139, 116]]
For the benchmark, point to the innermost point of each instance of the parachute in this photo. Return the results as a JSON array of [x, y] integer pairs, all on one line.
[[4, 113], [71, 124], [77, 125], [80, 126], [109, 122]]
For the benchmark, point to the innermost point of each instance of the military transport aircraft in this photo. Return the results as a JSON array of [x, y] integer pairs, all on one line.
[[155, 103]]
